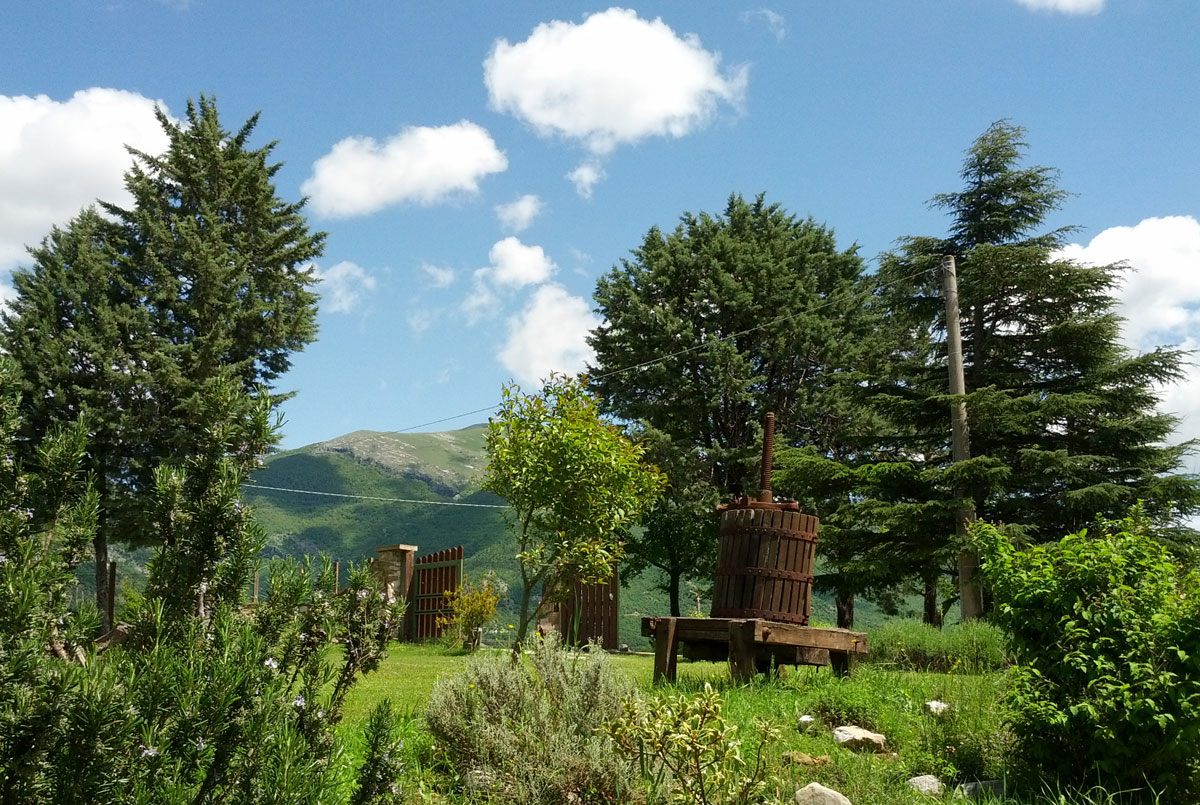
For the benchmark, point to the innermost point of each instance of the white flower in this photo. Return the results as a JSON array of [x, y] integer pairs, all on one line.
[[271, 662], [362, 594], [149, 751], [298, 701], [200, 745]]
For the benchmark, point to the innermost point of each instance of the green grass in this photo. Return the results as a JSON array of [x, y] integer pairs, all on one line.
[[968, 744]]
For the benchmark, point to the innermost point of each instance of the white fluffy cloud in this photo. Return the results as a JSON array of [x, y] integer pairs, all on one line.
[[421, 165], [614, 78], [586, 176], [57, 157], [513, 264], [1160, 296], [1065, 6], [519, 215], [439, 276], [549, 335], [344, 287]]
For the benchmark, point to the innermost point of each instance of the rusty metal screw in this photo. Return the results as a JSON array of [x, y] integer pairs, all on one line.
[[764, 484]]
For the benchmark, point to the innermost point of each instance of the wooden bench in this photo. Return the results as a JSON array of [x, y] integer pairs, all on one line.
[[751, 645]]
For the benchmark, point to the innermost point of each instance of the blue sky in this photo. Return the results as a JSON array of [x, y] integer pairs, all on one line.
[[477, 165]]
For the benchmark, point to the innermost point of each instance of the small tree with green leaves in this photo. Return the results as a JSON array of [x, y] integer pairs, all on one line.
[[573, 481]]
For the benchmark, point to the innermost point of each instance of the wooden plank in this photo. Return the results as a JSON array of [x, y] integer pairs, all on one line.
[[664, 650], [832, 639]]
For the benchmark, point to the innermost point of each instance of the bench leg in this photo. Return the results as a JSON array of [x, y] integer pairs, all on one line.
[[664, 650], [842, 661], [741, 650]]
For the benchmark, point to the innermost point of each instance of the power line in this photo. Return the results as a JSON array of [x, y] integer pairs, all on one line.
[[371, 497]]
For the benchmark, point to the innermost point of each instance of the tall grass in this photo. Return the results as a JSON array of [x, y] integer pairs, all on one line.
[[909, 645]]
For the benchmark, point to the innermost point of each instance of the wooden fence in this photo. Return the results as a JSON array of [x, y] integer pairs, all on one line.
[[434, 577], [595, 606]]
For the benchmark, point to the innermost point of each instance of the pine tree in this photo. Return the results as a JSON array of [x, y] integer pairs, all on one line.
[[1064, 423], [204, 278]]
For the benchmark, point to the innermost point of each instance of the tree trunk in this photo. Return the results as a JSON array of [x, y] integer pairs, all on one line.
[[100, 546], [844, 600], [673, 592], [933, 612], [523, 625]]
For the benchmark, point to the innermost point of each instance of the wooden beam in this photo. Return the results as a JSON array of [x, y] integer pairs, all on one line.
[[664, 650]]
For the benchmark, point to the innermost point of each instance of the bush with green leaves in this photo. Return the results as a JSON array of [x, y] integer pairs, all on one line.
[[471, 606], [688, 753], [911, 645], [194, 699], [1106, 633], [529, 730]]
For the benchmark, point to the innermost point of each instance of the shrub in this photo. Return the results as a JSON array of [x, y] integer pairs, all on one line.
[[530, 732], [684, 746], [471, 606], [910, 645], [1106, 633]]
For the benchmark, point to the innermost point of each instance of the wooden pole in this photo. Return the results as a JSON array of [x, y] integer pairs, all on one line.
[[337, 576], [110, 605], [970, 595], [256, 586]]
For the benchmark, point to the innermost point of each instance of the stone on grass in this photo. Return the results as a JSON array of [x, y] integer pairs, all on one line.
[[937, 709], [805, 759], [979, 789], [817, 794], [804, 723], [859, 739], [926, 784]]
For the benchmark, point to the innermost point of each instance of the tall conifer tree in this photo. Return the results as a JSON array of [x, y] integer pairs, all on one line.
[[1064, 420], [204, 279]]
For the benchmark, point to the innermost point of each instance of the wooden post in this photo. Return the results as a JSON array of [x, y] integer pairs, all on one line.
[[970, 595], [741, 650], [111, 604], [664, 650], [337, 576], [256, 586]]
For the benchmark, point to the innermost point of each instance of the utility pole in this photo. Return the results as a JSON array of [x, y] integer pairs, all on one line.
[[970, 595]]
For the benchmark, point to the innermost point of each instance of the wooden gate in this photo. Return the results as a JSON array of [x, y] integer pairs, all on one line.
[[595, 606], [434, 576]]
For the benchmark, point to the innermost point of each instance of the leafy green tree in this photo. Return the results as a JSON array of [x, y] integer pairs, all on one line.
[[678, 535], [709, 327], [132, 320], [1064, 422], [573, 481]]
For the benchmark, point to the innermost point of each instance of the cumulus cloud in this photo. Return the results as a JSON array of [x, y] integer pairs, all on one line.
[[438, 276], [344, 287], [586, 176], [613, 79], [420, 165], [519, 215], [1160, 296], [775, 22], [515, 265], [57, 157], [1065, 6], [549, 335]]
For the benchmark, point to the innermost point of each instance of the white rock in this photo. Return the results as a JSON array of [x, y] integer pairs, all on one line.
[[817, 794], [926, 784], [979, 788], [936, 708], [806, 722], [858, 738]]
